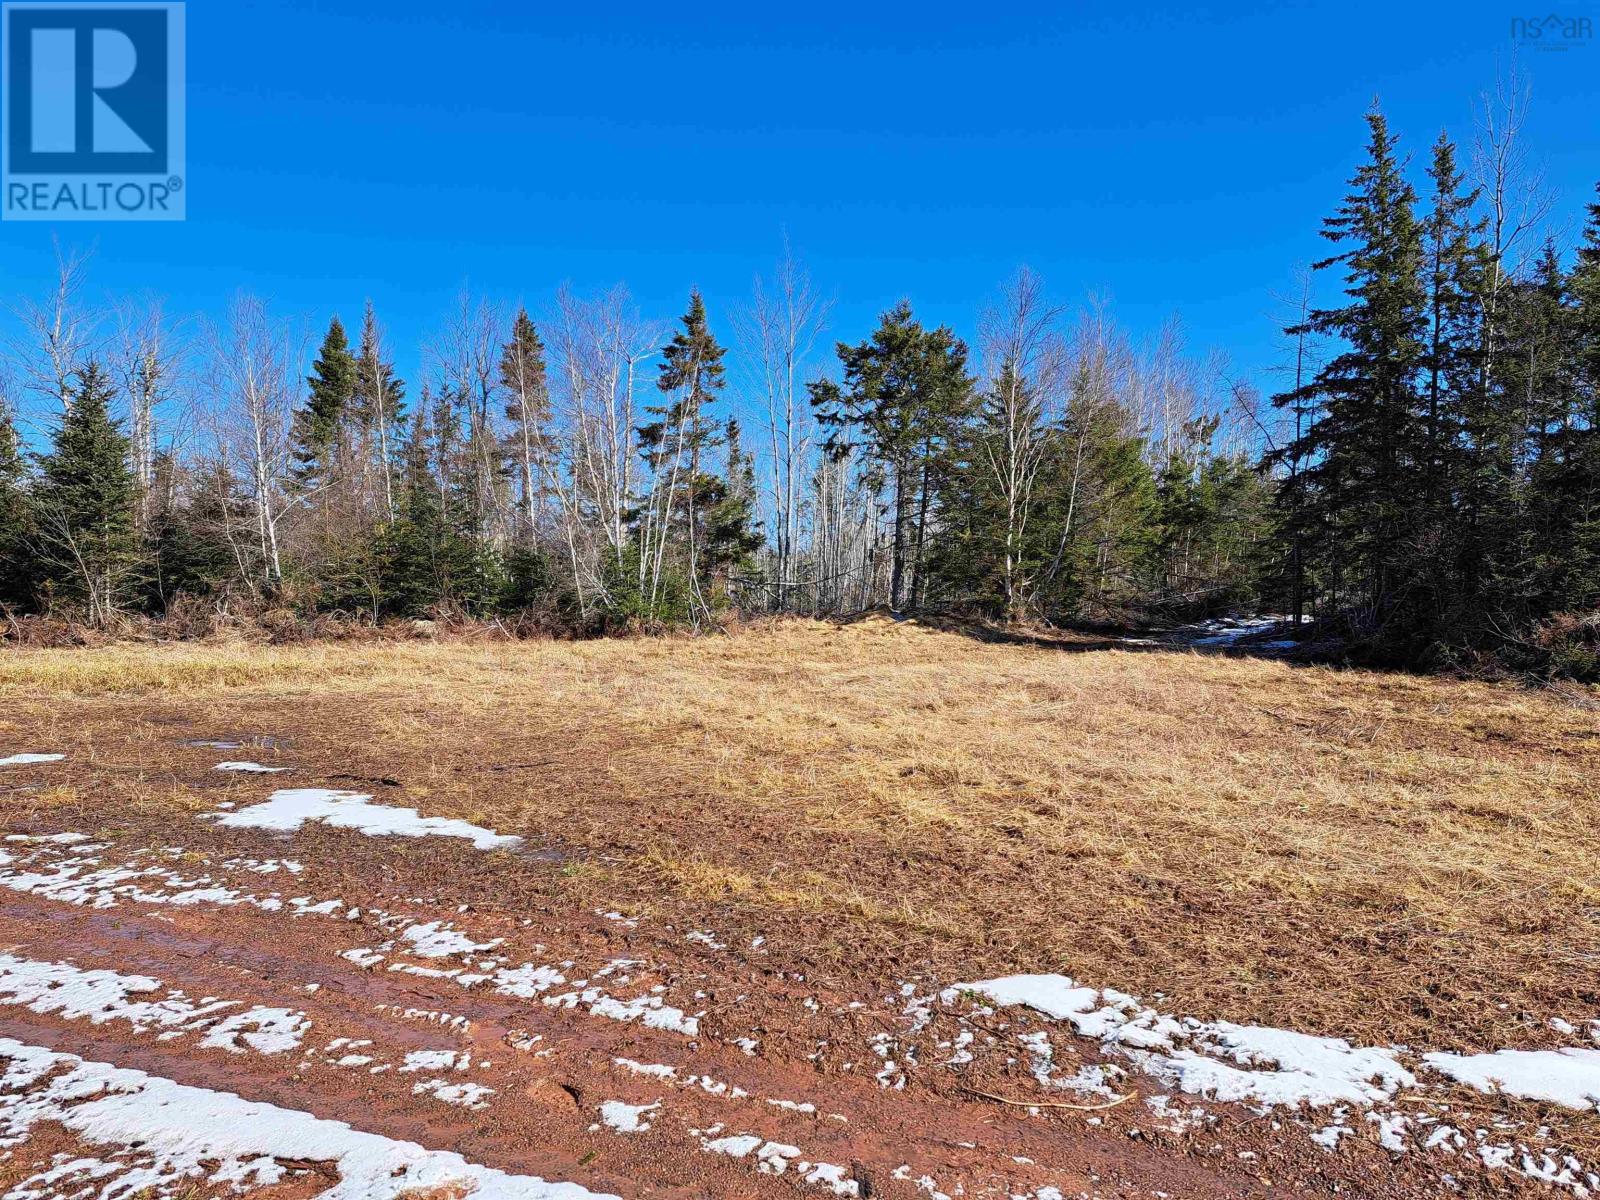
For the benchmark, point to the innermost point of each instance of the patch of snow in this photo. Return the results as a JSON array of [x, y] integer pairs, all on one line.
[[626, 1118], [1318, 1071], [74, 994], [526, 981], [1570, 1076], [23, 760], [799, 1106], [651, 1011], [923, 1183], [436, 1060], [1219, 1059], [288, 809], [830, 1176], [264, 1030], [253, 768], [167, 1132], [437, 940], [1224, 631], [736, 1146], [656, 1070], [1391, 1130], [464, 1095]]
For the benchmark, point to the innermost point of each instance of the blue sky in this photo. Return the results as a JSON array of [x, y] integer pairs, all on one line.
[[1176, 158]]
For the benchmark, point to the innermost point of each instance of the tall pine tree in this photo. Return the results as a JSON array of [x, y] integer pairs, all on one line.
[[524, 378], [1367, 441], [85, 504], [904, 393], [319, 427]]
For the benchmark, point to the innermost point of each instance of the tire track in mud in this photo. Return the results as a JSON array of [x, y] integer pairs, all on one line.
[[633, 1056], [722, 1122]]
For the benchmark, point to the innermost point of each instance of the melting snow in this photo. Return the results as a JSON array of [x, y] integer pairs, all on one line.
[[1570, 1076], [74, 994], [179, 1129], [648, 1010], [465, 1095], [264, 1030], [22, 760], [658, 1070], [1217, 1059], [254, 768], [626, 1118], [1318, 1071], [437, 940], [289, 808], [437, 1060]]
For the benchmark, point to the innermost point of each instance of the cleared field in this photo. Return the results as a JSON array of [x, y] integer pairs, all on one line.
[[870, 813]]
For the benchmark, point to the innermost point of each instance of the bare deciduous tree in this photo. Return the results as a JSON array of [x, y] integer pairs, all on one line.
[[57, 331], [778, 332], [255, 365], [1028, 370]]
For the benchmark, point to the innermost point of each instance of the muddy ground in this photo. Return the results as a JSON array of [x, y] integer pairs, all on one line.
[[538, 1011]]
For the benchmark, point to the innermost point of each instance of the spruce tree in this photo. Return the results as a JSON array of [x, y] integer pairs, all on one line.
[[1575, 489], [85, 503], [1097, 495], [377, 404], [1363, 449], [1536, 361], [524, 377], [16, 519], [733, 534], [676, 444], [1455, 261], [319, 426]]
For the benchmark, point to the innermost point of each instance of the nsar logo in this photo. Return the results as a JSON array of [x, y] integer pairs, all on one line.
[[1553, 31], [93, 112]]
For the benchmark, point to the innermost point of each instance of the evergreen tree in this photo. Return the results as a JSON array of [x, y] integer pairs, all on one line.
[[319, 427], [17, 568], [904, 393], [432, 554], [1098, 496], [1454, 263], [413, 546], [983, 545], [377, 404], [1573, 480], [732, 532], [523, 376], [195, 547], [1536, 366], [1367, 442], [1212, 524], [85, 503], [676, 444]]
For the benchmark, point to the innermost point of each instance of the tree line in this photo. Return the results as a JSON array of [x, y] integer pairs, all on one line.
[[1427, 485], [1438, 492], [592, 469]]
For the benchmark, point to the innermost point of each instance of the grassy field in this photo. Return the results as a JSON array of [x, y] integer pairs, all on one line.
[[1382, 857]]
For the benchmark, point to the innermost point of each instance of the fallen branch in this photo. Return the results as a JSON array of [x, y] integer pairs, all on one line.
[[1048, 1103]]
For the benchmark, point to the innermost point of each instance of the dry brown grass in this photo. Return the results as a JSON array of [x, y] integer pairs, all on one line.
[[1380, 856]]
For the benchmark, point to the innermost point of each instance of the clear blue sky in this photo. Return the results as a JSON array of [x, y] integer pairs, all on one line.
[[1174, 157]]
